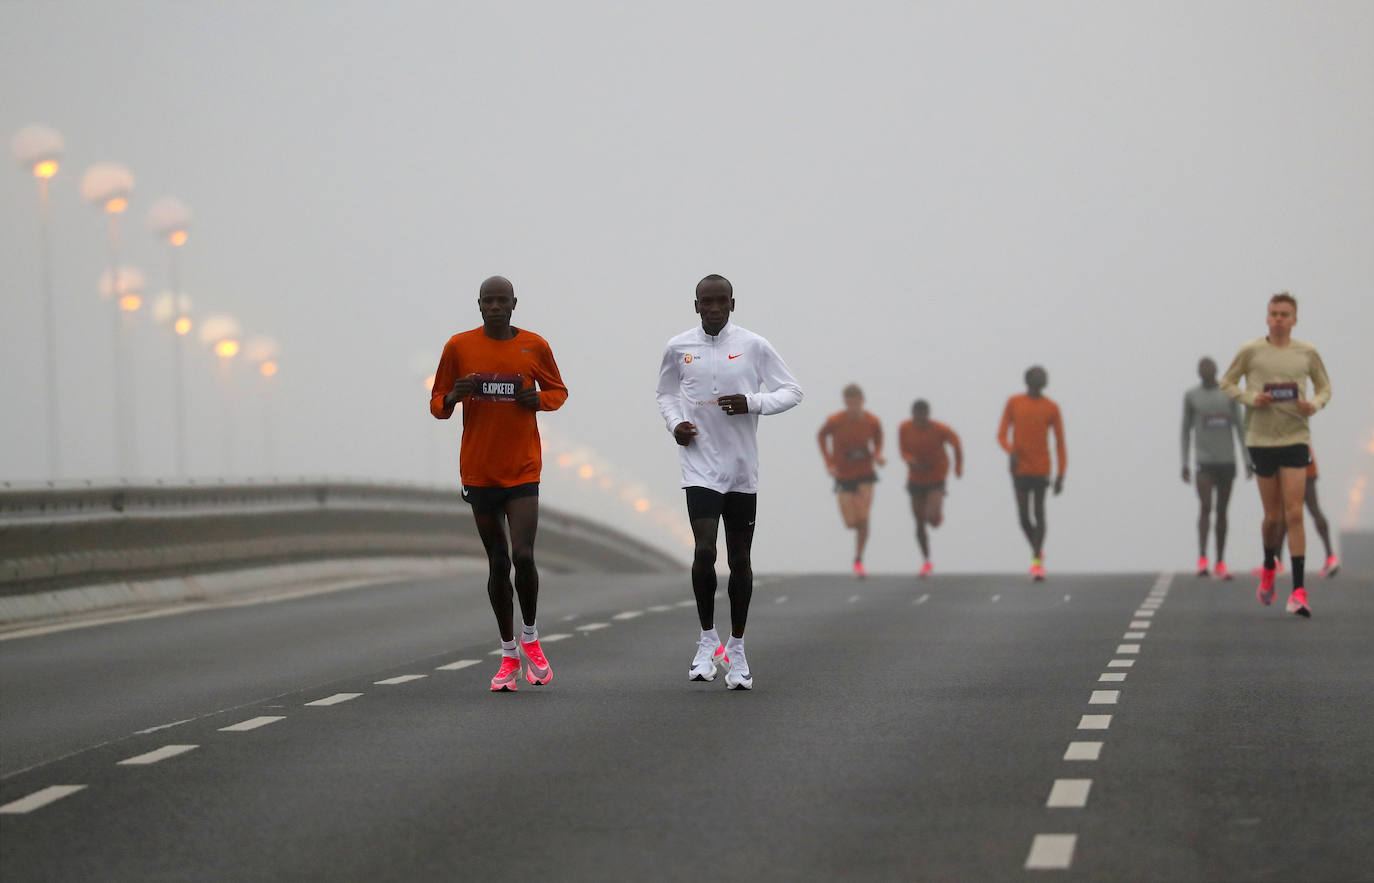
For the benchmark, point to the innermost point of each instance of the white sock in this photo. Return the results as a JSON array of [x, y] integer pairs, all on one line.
[[529, 634], [508, 648], [734, 644], [712, 634]]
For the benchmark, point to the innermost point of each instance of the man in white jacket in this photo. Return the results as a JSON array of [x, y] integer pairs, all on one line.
[[708, 394]]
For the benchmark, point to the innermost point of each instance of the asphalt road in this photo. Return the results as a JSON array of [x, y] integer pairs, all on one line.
[[898, 730]]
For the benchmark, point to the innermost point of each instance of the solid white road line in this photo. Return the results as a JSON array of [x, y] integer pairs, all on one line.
[[1140, 623], [252, 724], [162, 753], [1083, 751], [335, 699], [1051, 852], [1134, 636], [39, 799], [163, 727], [593, 626], [1104, 697], [1121, 663], [628, 614], [460, 664], [1112, 676], [1127, 649], [401, 679], [1094, 722], [1069, 793]]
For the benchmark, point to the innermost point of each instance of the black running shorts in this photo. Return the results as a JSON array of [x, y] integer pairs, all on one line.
[[920, 488], [494, 499], [1030, 482], [736, 509], [850, 485], [1268, 461]]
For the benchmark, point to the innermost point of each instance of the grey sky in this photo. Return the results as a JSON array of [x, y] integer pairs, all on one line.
[[921, 198]]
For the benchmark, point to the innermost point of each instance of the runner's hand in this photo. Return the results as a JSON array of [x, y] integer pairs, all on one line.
[[1306, 408], [958, 470], [527, 396], [683, 432], [1059, 485], [1263, 400], [1187, 475], [461, 389], [735, 404]]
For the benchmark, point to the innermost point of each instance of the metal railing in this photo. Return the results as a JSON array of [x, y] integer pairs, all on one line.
[[70, 535]]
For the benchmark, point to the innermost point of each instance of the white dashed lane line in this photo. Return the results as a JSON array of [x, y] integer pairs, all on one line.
[[660, 608], [157, 756], [554, 638], [1104, 697], [1133, 636], [1140, 623], [996, 598], [1051, 852], [628, 614], [921, 600], [400, 679], [252, 724], [1121, 663], [1108, 676], [1094, 722], [1127, 649], [1069, 794], [594, 626], [1144, 614], [39, 799], [459, 665], [687, 603], [335, 699], [1083, 751], [780, 599], [853, 599], [163, 727]]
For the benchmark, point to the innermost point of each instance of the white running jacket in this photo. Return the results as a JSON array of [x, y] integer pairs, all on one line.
[[696, 370]]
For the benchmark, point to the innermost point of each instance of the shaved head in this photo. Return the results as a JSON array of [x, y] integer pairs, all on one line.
[[496, 285]]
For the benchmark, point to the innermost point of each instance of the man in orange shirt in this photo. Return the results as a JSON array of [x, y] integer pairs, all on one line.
[[1028, 418], [922, 443], [493, 371], [851, 443]]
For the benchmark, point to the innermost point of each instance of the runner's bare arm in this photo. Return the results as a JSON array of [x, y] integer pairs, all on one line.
[[1188, 437]]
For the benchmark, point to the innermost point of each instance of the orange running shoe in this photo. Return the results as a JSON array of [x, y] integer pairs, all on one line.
[[859, 572], [538, 671], [1265, 593], [1297, 602], [1221, 572], [926, 570], [506, 675], [1202, 566]]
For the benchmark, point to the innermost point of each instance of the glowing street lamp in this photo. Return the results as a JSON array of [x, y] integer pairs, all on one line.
[[175, 310], [221, 334], [39, 151], [109, 187], [262, 353]]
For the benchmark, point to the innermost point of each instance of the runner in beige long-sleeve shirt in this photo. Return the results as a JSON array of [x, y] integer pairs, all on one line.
[[1276, 370]]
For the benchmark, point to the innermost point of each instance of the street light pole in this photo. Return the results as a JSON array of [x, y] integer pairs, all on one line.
[[221, 334], [170, 219], [39, 149], [109, 186]]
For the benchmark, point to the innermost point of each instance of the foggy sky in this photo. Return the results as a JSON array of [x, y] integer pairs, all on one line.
[[924, 199]]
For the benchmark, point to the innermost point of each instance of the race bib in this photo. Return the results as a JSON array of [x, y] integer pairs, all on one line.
[[1282, 392], [1217, 421], [857, 454], [497, 387]]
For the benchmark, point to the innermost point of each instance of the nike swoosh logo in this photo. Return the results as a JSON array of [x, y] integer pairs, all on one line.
[[735, 356]]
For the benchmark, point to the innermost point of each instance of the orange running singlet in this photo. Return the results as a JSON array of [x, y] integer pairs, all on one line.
[[849, 452], [923, 449], [500, 446], [1030, 420]]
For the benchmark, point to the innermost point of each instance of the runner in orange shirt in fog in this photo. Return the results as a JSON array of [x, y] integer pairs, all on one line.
[[1024, 435], [922, 443], [851, 443]]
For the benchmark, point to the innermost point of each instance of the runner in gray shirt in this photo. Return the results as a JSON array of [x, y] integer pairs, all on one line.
[[1212, 425]]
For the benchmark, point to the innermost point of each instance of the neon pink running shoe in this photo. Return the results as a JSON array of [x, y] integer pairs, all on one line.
[[1332, 567], [859, 572], [1202, 566], [538, 671], [1221, 572], [1037, 572], [1265, 593], [506, 675], [926, 570], [1297, 602]]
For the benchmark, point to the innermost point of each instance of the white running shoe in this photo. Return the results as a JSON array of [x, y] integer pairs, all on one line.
[[739, 677], [710, 655]]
